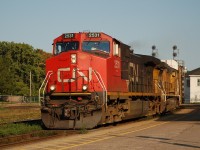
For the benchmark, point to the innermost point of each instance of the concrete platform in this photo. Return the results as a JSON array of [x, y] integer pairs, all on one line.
[[180, 130]]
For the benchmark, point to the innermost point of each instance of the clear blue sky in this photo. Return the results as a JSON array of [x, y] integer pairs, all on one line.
[[141, 23]]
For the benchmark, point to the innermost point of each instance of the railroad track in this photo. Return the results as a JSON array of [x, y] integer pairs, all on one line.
[[28, 121]]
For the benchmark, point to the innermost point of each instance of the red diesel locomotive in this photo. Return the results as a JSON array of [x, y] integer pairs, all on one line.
[[93, 79]]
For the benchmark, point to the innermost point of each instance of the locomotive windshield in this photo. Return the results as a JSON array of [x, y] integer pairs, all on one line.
[[97, 46], [66, 46]]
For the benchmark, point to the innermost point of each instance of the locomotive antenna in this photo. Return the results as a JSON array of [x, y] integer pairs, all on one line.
[[154, 51], [86, 31], [132, 51], [131, 44]]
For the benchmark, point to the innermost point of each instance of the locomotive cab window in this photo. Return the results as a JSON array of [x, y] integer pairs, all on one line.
[[96, 46], [66, 46]]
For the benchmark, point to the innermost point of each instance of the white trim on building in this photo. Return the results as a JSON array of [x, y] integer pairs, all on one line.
[[192, 87]]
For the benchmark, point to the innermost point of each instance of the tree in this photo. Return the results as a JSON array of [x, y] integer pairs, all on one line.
[[16, 62], [6, 77]]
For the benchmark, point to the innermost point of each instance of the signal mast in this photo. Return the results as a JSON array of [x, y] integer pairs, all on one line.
[[154, 51]]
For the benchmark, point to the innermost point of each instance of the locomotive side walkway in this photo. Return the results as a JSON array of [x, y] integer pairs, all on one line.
[[178, 131]]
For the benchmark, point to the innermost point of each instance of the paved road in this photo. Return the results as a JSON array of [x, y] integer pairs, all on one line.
[[180, 131]]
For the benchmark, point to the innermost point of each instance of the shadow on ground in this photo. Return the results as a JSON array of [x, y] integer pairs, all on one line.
[[190, 112]]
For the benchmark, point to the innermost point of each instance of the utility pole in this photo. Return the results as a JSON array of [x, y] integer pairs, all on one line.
[[30, 85]]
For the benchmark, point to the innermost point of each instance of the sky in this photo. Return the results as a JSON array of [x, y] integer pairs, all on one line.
[[138, 23]]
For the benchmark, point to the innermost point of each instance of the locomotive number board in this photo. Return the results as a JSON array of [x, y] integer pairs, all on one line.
[[69, 35], [93, 35]]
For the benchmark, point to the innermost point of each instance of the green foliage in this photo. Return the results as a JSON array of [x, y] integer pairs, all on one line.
[[16, 129], [83, 130], [17, 60]]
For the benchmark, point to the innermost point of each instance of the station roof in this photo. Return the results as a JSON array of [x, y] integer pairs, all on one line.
[[193, 72]]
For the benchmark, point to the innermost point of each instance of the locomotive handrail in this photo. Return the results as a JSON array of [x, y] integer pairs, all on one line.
[[103, 87], [46, 84], [162, 91], [49, 73]]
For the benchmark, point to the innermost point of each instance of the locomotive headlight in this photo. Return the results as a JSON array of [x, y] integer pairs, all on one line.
[[52, 87], [73, 58], [85, 87]]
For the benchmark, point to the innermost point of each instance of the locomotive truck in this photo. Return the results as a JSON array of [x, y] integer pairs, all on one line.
[[94, 79]]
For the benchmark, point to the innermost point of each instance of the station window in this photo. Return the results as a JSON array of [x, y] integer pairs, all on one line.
[[198, 82]]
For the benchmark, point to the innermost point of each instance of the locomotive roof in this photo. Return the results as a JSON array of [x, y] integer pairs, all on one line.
[[149, 60], [155, 62]]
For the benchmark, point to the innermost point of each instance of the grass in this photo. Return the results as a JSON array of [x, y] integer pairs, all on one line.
[[17, 129], [11, 112], [83, 130], [2, 108], [17, 112]]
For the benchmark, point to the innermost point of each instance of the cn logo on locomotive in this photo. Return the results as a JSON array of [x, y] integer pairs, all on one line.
[[60, 76], [72, 79]]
